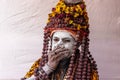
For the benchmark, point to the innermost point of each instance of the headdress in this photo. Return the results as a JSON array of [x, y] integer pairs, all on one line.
[[70, 17], [74, 19]]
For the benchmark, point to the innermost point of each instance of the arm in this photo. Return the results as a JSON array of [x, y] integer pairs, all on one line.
[[30, 73], [53, 60]]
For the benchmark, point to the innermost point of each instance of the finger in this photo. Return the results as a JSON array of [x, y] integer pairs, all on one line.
[[50, 53], [62, 55], [57, 50], [59, 56], [61, 50], [53, 53], [58, 46]]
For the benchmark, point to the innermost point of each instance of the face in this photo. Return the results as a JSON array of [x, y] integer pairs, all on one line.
[[63, 38]]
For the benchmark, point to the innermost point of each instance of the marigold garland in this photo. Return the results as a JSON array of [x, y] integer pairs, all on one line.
[[72, 10]]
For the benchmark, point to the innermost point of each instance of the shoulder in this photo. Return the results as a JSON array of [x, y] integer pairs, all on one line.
[[33, 67]]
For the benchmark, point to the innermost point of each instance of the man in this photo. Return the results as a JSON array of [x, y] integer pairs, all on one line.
[[66, 53]]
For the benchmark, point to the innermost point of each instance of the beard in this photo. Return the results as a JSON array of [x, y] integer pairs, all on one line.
[[64, 62]]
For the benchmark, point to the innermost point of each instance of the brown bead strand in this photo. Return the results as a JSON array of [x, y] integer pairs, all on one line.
[[94, 65], [83, 46], [79, 68], [90, 68], [78, 74], [44, 59], [85, 70], [45, 48], [70, 68], [82, 62], [71, 65], [89, 71], [84, 73]]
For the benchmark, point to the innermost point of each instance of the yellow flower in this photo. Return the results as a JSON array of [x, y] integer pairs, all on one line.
[[76, 14], [78, 27], [70, 21], [48, 21], [78, 6], [71, 9], [63, 7], [52, 14], [67, 10], [62, 3], [58, 9]]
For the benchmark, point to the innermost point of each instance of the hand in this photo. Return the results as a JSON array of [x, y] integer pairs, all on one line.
[[56, 55]]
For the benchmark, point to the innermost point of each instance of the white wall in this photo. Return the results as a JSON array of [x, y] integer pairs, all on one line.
[[21, 32]]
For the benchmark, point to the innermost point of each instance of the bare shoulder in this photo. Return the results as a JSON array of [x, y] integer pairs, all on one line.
[[33, 67]]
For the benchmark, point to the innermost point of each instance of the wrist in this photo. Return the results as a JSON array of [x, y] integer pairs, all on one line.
[[48, 69]]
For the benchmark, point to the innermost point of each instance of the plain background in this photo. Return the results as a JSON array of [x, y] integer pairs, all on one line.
[[21, 35]]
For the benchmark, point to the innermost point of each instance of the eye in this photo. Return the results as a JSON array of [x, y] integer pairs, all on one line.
[[66, 40], [55, 39]]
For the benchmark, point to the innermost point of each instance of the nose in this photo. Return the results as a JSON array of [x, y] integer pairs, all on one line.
[[60, 42]]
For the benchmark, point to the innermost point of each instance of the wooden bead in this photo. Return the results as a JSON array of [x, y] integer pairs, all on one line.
[[84, 73], [85, 66], [83, 76], [70, 69], [79, 70], [69, 73], [37, 78], [79, 66], [71, 62], [84, 69], [73, 55], [79, 73], [85, 62], [78, 77]]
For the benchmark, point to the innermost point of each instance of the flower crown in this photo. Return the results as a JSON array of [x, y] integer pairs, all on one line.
[[70, 17]]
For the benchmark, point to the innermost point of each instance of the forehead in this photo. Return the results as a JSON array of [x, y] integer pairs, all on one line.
[[62, 34]]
